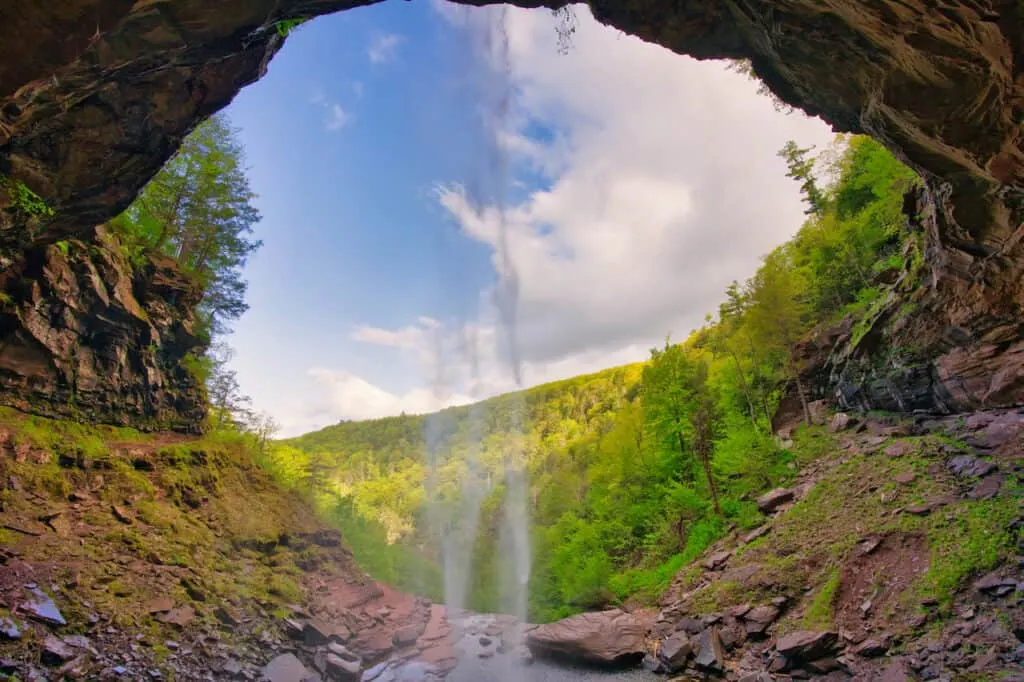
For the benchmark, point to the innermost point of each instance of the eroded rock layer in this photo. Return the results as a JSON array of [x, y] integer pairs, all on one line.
[[96, 94], [86, 336]]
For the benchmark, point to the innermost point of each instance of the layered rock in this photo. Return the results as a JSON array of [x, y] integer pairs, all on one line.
[[97, 94], [611, 636], [85, 335]]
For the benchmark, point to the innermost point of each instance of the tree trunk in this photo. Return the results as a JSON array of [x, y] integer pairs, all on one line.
[[704, 452], [744, 387], [803, 398]]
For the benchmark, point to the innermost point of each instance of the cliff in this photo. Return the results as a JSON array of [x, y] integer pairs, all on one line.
[[96, 94], [86, 335]]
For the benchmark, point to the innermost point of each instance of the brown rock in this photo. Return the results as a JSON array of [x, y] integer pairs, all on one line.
[[917, 509], [181, 616], [717, 560], [159, 605], [805, 645], [122, 514], [675, 651], [318, 631], [773, 499], [55, 651], [905, 477], [597, 637], [987, 489], [900, 448], [839, 422], [871, 648], [286, 668]]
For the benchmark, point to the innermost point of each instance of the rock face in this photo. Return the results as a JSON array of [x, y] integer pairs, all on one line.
[[86, 336], [97, 94], [599, 637]]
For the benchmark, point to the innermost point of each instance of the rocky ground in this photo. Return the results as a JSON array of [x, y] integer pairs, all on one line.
[[893, 556]]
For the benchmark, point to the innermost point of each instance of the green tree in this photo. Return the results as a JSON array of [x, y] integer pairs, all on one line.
[[801, 168], [679, 408], [198, 210], [777, 314]]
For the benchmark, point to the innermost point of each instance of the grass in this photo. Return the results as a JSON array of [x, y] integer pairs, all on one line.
[[819, 613]]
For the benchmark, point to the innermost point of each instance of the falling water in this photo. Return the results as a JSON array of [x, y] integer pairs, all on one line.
[[455, 522]]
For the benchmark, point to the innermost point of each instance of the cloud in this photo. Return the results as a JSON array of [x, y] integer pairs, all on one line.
[[383, 48], [336, 117], [352, 397], [659, 185]]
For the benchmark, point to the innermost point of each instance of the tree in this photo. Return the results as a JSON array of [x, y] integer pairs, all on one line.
[[801, 169], [228, 405], [776, 314], [680, 408], [198, 210]]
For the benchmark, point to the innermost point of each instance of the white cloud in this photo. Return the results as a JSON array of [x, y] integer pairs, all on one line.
[[663, 186], [336, 117], [355, 398], [383, 48]]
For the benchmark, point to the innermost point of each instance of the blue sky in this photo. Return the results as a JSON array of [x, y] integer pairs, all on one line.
[[639, 183]]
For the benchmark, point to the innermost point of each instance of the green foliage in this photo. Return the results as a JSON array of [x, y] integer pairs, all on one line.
[[819, 613], [632, 472], [198, 210], [286, 26], [23, 199]]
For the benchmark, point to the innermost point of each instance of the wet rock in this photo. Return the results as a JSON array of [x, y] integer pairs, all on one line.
[[522, 655], [710, 657], [972, 467], [806, 645], [599, 637], [675, 651], [343, 667], [39, 606], [409, 634], [773, 499], [181, 616], [56, 651], [286, 668]]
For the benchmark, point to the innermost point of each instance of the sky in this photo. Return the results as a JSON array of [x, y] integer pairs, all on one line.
[[456, 202]]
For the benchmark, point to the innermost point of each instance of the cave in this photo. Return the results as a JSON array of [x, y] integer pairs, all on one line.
[[97, 94]]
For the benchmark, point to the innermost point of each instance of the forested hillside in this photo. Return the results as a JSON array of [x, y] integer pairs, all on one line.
[[634, 471]]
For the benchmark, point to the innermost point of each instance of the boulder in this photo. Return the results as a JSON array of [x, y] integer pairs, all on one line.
[[717, 560], [987, 489], [710, 657], [317, 631], [970, 467], [675, 651], [344, 667], [839, 422], [773, 499], [806, 645], [871, 648], [757, 620], [287, 668], [56, 651], [406, 636], [597, 637], [900, 448], [39, 606]]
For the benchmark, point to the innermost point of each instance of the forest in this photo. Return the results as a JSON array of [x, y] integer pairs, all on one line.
[[633, 471]]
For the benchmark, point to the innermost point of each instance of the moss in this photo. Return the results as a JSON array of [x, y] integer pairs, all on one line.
[[819, 613], [6, 537], [976, 539], [284, 587]]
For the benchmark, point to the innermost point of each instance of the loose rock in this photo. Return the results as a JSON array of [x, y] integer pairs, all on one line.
[[774, 499], [710, 657]]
